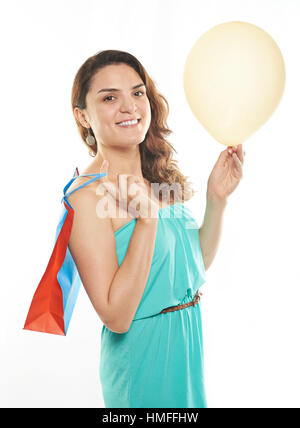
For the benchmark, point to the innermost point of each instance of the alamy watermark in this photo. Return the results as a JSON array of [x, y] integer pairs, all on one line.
[[134, 201]]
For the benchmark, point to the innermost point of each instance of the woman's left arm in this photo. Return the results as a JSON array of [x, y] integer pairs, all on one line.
[[223, 180]]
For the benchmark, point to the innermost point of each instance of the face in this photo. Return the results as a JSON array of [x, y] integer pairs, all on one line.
[[106, 108]]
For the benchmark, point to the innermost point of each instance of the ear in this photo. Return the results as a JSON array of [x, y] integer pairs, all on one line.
[[82, 117]]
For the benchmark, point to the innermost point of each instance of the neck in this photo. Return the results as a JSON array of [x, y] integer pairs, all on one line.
[[124, 163]]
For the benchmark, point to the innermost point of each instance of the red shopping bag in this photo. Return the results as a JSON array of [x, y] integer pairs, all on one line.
[[53, 302]]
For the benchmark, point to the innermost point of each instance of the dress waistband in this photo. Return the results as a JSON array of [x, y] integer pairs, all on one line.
[[194, 302]]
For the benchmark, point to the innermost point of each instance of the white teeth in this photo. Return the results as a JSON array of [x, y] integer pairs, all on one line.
[[131, 122]]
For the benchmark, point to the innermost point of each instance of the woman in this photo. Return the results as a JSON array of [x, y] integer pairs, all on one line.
[[141, 264]]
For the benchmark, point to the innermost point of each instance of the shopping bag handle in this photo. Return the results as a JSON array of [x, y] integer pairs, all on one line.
[[96, 176]]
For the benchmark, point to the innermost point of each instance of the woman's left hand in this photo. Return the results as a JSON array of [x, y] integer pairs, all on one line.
[[227, 173]]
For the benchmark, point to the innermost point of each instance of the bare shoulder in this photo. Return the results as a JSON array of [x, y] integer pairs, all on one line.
[[82, 181], [84, 201], [87, 224], [92, 245]]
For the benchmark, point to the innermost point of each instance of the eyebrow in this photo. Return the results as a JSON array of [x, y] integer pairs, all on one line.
[[118, 90]]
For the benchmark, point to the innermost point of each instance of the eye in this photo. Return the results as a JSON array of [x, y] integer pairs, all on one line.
[[109, 96]]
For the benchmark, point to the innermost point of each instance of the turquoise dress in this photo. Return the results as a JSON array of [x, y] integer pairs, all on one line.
[[159, 361]]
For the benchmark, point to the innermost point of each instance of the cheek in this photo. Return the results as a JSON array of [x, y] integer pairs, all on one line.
[[106, 116], [147, 110]]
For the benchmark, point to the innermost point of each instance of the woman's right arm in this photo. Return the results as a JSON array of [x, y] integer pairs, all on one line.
[[115, 291], [129, 282]]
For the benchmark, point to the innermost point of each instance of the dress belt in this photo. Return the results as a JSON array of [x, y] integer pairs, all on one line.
[[185, 305]]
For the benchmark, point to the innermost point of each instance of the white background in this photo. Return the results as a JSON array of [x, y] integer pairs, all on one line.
[[250, 305]]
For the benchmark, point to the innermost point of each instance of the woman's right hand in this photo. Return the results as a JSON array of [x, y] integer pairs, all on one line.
[[126, 191]]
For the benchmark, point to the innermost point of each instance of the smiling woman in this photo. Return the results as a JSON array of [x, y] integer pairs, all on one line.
[[104, 112], [142, 276]]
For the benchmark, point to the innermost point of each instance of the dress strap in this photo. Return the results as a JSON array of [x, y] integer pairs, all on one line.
[[76, 175]]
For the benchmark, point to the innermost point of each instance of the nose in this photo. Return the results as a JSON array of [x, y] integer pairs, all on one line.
[[128, 105]]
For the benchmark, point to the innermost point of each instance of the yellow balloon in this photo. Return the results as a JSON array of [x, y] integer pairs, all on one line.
[[234, 78]]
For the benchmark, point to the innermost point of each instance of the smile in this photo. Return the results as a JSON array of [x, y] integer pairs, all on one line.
[[129, 124]]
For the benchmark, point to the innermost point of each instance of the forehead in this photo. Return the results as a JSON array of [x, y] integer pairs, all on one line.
[[116, 76]]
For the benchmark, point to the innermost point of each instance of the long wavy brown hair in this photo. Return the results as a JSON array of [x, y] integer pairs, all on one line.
[[158, 165]]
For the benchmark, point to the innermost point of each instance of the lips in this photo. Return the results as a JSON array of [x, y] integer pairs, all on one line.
[[127, 120]]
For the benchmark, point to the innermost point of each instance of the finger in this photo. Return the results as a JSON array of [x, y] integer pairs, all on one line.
[[237, 160], [104, 168], [107, 205], [238, 150], [122, 182], [226, 155], [107, 200], [240, 153], [133, 183], [223, 154], [110, 187]]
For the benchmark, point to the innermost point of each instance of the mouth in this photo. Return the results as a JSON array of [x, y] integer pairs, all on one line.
[[129, 125]]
